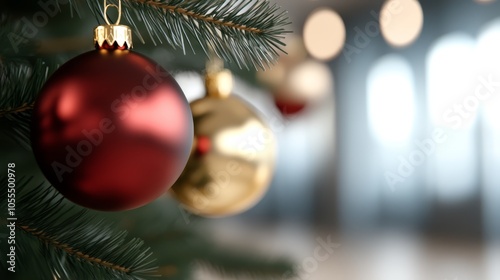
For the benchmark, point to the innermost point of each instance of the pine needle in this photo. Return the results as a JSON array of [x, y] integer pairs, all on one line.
[[246, 32], [74, 246], [20, 84], [187, 245], [15, 46]]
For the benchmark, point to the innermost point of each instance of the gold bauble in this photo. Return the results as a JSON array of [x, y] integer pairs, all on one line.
[[232, 159]]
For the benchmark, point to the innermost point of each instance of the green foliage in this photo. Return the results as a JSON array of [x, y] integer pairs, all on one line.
[[178, 241], [59, 240], [181, 243], [20, 84], [21, 78], [11, 30], [56, 237], [246, 32], [69, 242]]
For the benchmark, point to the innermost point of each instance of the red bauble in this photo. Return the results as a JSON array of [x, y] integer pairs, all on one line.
[[112, 130]]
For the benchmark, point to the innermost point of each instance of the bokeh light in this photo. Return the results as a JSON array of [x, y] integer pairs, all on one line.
[[484, 1], [391, 92], [309, 80], [324, 34], [401, 22]]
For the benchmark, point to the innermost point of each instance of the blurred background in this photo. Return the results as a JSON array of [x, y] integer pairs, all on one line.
[[387, 120], [394, 156]]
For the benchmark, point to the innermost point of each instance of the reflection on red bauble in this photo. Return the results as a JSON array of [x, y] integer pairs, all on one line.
[[111, 130]]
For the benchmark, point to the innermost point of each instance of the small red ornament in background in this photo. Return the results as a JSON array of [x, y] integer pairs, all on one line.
[[203, 145], [111, 129], [297, 82], [289, 107]]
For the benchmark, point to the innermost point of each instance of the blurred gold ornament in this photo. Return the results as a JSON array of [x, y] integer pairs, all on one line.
[[233, 154]]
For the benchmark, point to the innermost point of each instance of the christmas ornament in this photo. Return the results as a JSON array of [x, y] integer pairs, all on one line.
[[233, 154], [307, 83], [296, 81], [111, 129], [288, 106]]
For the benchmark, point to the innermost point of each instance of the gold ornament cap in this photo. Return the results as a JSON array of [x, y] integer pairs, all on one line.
[[111, 36], [219, 84], [218, 80], [120, 35]]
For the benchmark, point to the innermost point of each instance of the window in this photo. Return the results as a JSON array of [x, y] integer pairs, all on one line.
[[391, 94], [488, 58], [453, 107]]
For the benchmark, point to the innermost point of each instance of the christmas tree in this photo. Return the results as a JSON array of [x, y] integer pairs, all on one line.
[[46, 236]]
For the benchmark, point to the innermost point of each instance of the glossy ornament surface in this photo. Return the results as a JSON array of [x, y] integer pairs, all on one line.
[[232, 159], [111, 129]]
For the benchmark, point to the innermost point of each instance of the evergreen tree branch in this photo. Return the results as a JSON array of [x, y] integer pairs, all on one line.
[[43, 237], [24, 107], [20, 84], [201, 17], [73, 246], [17, 127], [246, 32], [186, 245], [11, 31]]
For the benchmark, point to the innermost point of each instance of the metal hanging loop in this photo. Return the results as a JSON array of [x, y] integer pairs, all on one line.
[[119, 8]]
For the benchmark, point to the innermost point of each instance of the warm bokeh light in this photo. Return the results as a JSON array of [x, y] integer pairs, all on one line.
[[484, 1], [309, 80], [401, 22], [324, 34]]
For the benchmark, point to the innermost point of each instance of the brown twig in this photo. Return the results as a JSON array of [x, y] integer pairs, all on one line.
[[71, 251], [184, 12], [20, 109]]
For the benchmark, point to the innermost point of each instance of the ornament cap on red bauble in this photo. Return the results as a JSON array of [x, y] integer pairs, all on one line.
[[113, 37], [111, 129]]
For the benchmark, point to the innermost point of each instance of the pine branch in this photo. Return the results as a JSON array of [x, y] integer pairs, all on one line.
[[49, 241], [11, 33], [246, 32], [73, 246], [20, 84], [186, 245], [17, 127]]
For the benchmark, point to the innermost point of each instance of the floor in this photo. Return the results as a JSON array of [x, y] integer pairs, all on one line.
[[388, 255]]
